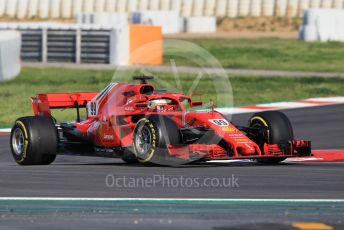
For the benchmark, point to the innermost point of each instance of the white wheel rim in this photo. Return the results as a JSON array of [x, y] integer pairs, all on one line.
[[18, 141], [143, 141]]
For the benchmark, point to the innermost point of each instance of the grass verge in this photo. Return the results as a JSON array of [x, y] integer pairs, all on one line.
[[268, 53]]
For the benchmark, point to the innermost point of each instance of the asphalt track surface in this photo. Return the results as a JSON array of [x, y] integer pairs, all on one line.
[[74, 176], [86, 177], [259, 215]]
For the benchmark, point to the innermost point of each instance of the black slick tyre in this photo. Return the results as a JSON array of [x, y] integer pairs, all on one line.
[[278, 130], [151, 137], [33, 141]]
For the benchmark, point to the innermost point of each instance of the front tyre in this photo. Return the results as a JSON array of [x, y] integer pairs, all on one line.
[[276, 129], [151, 137], [33, 141]]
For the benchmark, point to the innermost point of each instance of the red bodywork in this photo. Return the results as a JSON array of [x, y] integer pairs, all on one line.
[[112, 115]]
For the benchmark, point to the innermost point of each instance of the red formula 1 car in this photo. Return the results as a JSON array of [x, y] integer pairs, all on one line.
[[138, 123]]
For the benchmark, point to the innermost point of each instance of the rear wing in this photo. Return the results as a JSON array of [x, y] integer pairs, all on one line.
[[43, 103]]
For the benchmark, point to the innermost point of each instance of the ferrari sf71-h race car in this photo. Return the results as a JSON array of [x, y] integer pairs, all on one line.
[[138, 123]]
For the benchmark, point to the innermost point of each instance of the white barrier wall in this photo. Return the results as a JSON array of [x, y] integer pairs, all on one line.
[[88, 6], [143, 5], [110, 6], [165, 5], [168, 20], [200, 24], [256, 8], [153, 5], [209, 7], [77, 7], [119, 48], [43, 9], [2, 7], [232, 8], [304, 5], [268, 8], [326, 4], [33, 8], [187, 8], [132, 5], [116, 20], [99, 5], [10, 43], [198, 8], [338, 4], [22, 8], [11, 8], [323, 25], [281, 8], [315, 4], [55, 8], [176, 5], [292, 8], [244, 8], [121, 6], [66, 8], [220, 8]]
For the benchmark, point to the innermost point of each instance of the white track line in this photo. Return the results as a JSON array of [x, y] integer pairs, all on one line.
[[230, 161], [327, 99], [290, 160], [305, 103], [5, 130], [236, 110], [302, 159]]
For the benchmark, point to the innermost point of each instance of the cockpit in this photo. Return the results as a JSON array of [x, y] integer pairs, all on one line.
[[163, 105]]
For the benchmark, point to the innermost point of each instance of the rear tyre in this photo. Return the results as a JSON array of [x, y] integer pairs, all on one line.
[[34, 141], [277, 129], [151, 137]]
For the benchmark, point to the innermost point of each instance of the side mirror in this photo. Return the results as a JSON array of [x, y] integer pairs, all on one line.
[[196, 103]]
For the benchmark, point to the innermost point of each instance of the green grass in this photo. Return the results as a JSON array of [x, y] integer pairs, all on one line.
[[15, 94], [267, 53]]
